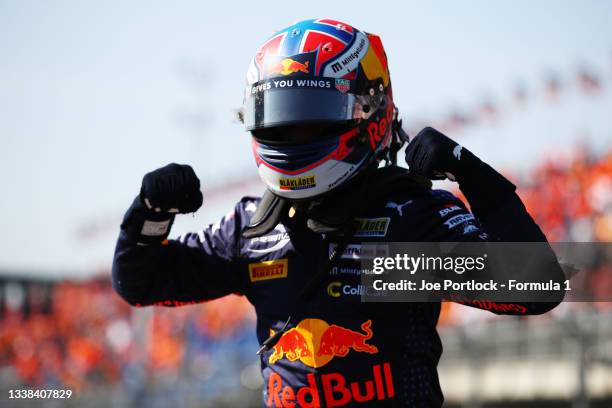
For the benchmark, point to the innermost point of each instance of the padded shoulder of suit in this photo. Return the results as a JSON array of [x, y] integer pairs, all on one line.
[[245, 208]]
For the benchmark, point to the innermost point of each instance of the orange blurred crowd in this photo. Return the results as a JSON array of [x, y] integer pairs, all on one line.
[[572, 201], [86, 335]]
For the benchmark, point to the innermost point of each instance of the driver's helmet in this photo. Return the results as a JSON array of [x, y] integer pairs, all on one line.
[[319, 106]]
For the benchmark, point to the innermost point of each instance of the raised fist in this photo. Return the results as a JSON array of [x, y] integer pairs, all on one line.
[[436, 156], [174, 188]]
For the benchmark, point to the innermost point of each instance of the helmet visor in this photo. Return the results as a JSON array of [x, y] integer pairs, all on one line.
[[272, 103]]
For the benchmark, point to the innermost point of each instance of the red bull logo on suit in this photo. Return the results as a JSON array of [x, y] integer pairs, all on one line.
[[315, 343], [331, 388]]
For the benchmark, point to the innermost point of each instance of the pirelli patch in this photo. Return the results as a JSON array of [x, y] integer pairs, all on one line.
[[267, 270]]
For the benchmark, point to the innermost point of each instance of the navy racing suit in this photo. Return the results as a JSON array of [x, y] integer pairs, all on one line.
[[338, 351]]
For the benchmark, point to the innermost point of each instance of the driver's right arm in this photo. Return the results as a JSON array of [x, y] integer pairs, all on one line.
[[150, 269]]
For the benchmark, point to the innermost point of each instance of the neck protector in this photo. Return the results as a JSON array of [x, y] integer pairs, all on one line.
[[333, 213]]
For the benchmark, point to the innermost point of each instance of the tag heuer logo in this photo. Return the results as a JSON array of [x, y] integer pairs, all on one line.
[[343, 85]]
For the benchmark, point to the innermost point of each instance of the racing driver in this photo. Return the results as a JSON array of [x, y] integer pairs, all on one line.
[[325, 135]]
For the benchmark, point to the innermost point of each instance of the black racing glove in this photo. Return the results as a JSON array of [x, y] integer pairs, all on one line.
[[437, 157], [169, 190]]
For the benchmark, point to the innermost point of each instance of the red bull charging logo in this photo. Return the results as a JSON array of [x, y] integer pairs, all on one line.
[[315, 343], [288, 66]]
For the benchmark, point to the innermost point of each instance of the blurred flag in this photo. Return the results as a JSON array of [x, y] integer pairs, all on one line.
[[519, 94], [552, 86], [488, 109], [588, 81], [456, 121]]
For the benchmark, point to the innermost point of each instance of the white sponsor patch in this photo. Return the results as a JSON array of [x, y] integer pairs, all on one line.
[[448, 210], [358, 251], [348, 271], [281, 238], [349, 59], [337, 289], [327, 174], [458, 219]]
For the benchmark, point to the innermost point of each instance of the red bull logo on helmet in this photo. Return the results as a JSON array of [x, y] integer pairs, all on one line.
[[315, 342], [381, 130], [288, 66]]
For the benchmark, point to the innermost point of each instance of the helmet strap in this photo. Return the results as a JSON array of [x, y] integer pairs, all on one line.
[[399, 137]]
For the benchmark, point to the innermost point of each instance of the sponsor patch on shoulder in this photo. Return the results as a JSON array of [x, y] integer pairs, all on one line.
[[469, 228], [458, 219], [266, 270], [357, 251], [449, 208], [372, 227]]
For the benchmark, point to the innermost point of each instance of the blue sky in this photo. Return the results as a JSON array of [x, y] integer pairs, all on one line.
[[95, 94]]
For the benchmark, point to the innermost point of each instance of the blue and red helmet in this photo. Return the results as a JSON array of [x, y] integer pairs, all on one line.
[[319, 106]]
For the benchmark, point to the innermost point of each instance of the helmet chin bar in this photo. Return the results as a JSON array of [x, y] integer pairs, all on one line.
[[342, 193]]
